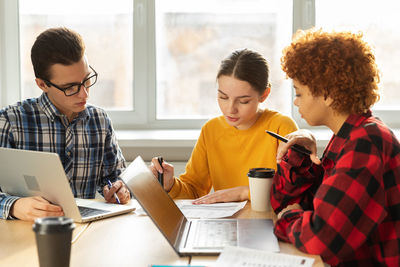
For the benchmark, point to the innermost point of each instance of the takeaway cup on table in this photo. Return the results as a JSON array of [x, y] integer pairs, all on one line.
[[260, 180], [53, 240]]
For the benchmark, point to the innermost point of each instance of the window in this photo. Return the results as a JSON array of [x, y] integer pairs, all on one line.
[[379, 24], [157, 60], [105, 26], [192, 37]]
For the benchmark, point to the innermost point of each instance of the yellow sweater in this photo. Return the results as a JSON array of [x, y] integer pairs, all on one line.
[[223, 154]]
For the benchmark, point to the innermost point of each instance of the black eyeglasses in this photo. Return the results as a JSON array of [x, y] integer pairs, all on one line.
[[75, 88]]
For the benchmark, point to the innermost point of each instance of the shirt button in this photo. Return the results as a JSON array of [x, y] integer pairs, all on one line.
[[69, 153]]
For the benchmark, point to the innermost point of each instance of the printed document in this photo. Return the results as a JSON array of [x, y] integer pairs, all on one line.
[[204, 211], [239, 257], [208, 211]]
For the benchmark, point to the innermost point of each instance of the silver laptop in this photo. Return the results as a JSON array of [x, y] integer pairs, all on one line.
[[197, 236], [27, 173]]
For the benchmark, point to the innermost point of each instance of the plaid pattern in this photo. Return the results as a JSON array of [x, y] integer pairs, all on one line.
[[87, 146], [351, 203]]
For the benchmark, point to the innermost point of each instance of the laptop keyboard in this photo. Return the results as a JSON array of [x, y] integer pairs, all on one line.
[[215, 234], [86, 212]]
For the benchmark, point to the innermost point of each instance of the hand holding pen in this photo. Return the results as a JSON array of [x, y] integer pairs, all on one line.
[[301, 134], [115, 194], [296, 147], [163, 172]]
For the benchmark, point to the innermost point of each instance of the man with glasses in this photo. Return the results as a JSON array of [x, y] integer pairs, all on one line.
[[60, 121]]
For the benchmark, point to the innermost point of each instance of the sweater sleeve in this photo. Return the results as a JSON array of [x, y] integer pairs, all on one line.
[[196, 181]]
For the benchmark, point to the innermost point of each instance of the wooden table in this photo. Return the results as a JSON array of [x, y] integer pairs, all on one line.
[[125, 240], [18, 245], [248, 213]]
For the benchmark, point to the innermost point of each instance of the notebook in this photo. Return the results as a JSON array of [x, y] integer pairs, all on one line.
[[197, 236], [27, 173]]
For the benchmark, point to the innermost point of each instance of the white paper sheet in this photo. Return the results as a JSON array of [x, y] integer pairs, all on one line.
[[204, 211], [209, 211], [239, 257]]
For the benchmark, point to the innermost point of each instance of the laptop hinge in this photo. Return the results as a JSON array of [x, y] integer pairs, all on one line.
[[183, 233]]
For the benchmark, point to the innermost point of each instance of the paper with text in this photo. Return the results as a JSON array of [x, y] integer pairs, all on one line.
[[204, 211], [209, 211], [240, 257]]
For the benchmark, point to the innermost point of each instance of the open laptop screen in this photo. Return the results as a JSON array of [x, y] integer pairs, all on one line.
[[154, 200]]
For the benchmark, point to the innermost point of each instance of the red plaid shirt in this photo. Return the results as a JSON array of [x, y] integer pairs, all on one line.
[[351, 202]]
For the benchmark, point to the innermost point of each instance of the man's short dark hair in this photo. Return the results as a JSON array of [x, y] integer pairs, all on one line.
[[56, 46]]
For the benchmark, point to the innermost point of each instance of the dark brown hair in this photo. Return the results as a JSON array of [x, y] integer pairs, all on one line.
[[249, 66], [55, 46], [339, 65]]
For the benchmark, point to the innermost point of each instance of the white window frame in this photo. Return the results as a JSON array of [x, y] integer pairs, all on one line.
[[9, 53], [144, 63]]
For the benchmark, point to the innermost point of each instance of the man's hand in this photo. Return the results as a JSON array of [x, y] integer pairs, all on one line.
[[239, 193], [31, 208], [120, 189]]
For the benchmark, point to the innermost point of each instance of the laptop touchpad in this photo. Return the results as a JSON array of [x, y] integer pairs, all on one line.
[[257, 234]]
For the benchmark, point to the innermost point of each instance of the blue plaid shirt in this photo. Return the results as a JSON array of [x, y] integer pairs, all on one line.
[[87, 146]]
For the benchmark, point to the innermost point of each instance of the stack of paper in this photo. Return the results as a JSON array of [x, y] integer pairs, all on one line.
[[239, 257], [210, 211], [204, 211]]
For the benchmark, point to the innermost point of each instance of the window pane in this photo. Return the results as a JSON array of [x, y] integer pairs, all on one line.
[[379, 23], [107, 29], [192, 37]]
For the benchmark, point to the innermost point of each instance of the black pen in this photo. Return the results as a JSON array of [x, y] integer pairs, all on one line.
[[296, 147], [161, 175]]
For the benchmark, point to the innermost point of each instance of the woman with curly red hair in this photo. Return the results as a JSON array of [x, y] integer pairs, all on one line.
[[346, 205]]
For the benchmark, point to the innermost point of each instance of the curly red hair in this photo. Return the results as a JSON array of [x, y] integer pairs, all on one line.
[[339, 65]]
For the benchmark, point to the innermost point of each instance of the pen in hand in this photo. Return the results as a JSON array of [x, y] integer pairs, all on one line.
[[115, 194], [160, 175], [296, 147]]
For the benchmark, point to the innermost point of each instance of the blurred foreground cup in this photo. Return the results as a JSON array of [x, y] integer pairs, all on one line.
[[53, 240]]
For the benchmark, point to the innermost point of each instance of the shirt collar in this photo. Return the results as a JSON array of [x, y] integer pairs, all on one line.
[[52, 112], [337, 141]]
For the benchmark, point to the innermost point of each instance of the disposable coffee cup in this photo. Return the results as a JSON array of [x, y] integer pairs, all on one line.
[[53, 240], [260, 180]]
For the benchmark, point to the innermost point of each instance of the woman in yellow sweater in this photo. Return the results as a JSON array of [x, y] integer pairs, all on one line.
[[233, 143]]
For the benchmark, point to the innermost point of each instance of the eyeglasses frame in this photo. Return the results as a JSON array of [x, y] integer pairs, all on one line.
[[48, 83]]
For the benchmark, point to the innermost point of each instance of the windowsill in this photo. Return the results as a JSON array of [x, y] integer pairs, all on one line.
[[177, 144], [157, 138], [173, 145], [180, 137]]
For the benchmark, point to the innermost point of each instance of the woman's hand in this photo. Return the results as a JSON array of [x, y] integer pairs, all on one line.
[[167, 169], [300, 137], [294, 206], [239, 193]]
